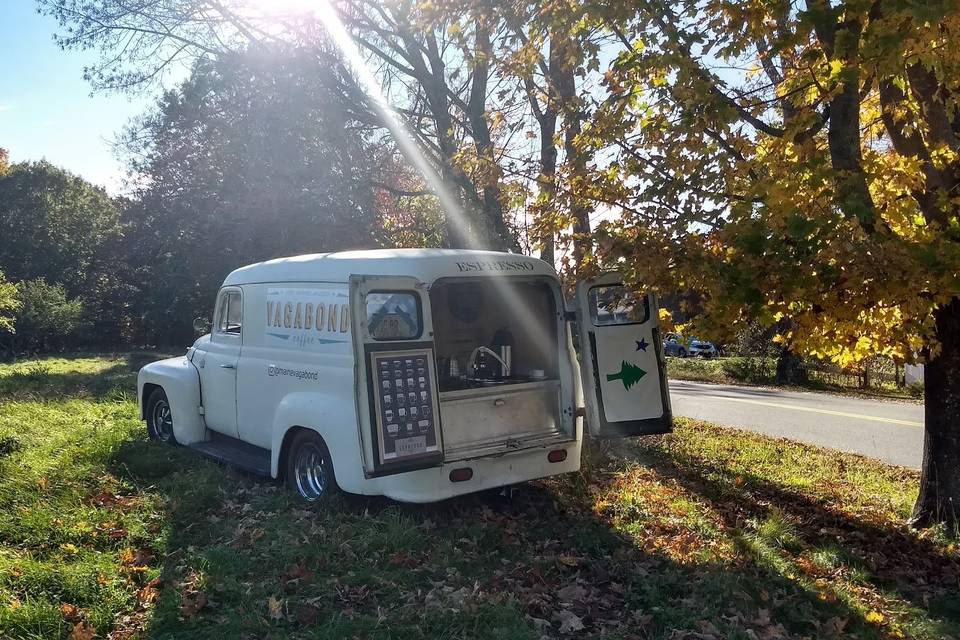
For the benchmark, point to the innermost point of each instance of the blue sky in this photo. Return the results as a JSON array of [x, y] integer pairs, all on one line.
[[46, 110]]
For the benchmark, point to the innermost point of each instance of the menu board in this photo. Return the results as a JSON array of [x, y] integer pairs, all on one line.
[[405, 404]]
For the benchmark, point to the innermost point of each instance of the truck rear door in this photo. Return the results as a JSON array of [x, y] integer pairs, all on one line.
[[622, 365], [395, 374]]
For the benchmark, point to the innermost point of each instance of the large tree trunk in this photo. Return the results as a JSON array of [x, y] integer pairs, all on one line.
[[566, 80], [495, 229], [939, 499], [547, 119], [789, 369]]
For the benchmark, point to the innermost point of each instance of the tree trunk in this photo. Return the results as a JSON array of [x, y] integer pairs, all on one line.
[[498, 236], [789, 369], [939, 499], [548, 150], [573, 116]]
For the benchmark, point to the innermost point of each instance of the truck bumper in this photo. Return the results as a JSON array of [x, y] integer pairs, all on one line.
[[432, 485]]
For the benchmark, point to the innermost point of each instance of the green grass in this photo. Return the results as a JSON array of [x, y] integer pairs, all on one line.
[[706, 531], [763, 371]]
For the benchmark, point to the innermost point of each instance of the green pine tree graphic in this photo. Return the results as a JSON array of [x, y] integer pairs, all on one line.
[[629, 375]]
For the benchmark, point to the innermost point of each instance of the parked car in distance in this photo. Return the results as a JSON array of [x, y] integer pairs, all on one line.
[[673, 346], [703, 349]]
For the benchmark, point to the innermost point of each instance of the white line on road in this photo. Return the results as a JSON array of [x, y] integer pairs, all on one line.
[[860, 416]]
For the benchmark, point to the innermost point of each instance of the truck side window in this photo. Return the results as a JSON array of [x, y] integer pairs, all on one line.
[[393, 315], [614, 304], [230, 314]]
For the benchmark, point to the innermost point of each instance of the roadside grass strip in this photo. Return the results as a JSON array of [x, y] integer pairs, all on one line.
[[706, 533]]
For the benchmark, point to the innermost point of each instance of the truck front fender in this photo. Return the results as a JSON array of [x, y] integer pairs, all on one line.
[[334, 420], [180, 380]]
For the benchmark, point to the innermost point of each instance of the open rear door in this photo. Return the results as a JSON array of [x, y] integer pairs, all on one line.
[[624, 375], [395, 374]]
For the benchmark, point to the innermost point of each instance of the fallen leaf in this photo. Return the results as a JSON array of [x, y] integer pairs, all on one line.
[[275, 608], [82, 631], [572, 593], [568, 620], [150, 592], [307, 615], [706, 628], [570, 561], [875, 617], [298, 572], [192, 602], [69, 612], [142, 557], [833, 628]]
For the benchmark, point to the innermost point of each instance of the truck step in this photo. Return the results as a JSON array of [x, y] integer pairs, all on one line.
[[235, 453]]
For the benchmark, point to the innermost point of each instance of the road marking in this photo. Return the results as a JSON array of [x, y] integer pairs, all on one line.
[[860, 416]]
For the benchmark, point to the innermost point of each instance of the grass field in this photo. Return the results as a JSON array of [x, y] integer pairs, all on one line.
[[703, 534]]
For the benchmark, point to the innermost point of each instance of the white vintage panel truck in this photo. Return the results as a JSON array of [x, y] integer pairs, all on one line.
[[418, 374]]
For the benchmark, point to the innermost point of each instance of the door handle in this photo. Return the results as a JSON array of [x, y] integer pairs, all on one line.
[[228, 365]]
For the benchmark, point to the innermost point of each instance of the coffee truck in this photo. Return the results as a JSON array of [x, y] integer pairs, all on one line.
[[417, 374]]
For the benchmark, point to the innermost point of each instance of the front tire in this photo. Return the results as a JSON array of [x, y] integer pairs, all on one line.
[[309, 470], [683, 353], [160, 418]]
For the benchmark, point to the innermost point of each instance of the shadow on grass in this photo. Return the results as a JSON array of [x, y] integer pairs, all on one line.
[[882, 554], [537, 563]]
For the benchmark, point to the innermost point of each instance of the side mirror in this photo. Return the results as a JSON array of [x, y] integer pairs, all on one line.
[[201, 325]]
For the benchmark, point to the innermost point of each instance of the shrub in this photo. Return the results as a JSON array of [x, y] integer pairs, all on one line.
[[752, 370], [47, 318]]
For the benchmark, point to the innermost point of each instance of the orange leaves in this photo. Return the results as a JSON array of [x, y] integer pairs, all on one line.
[[192, 602], [82, 631], [69, 612], [150, 592], [192, 599]]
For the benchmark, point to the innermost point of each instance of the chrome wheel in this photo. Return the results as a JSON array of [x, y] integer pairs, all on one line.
[[310, 471], [161, 421]]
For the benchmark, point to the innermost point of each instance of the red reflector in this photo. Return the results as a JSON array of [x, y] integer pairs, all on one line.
[[461, 475], [557, 455]]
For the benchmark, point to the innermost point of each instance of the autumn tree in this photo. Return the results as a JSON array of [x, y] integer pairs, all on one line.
[[548, 50], [797, 163]]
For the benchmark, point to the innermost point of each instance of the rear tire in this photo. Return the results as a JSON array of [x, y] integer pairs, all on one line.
[[160, 418], [309, 470]]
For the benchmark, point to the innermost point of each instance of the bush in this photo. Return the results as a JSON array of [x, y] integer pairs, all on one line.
[[47, 318], [9, 299], [751, 370]]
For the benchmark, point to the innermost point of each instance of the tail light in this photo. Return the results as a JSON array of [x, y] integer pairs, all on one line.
[[557, 455], [461, 475]]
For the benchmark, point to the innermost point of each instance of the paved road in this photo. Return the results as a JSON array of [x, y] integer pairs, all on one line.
[[888, 430]]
